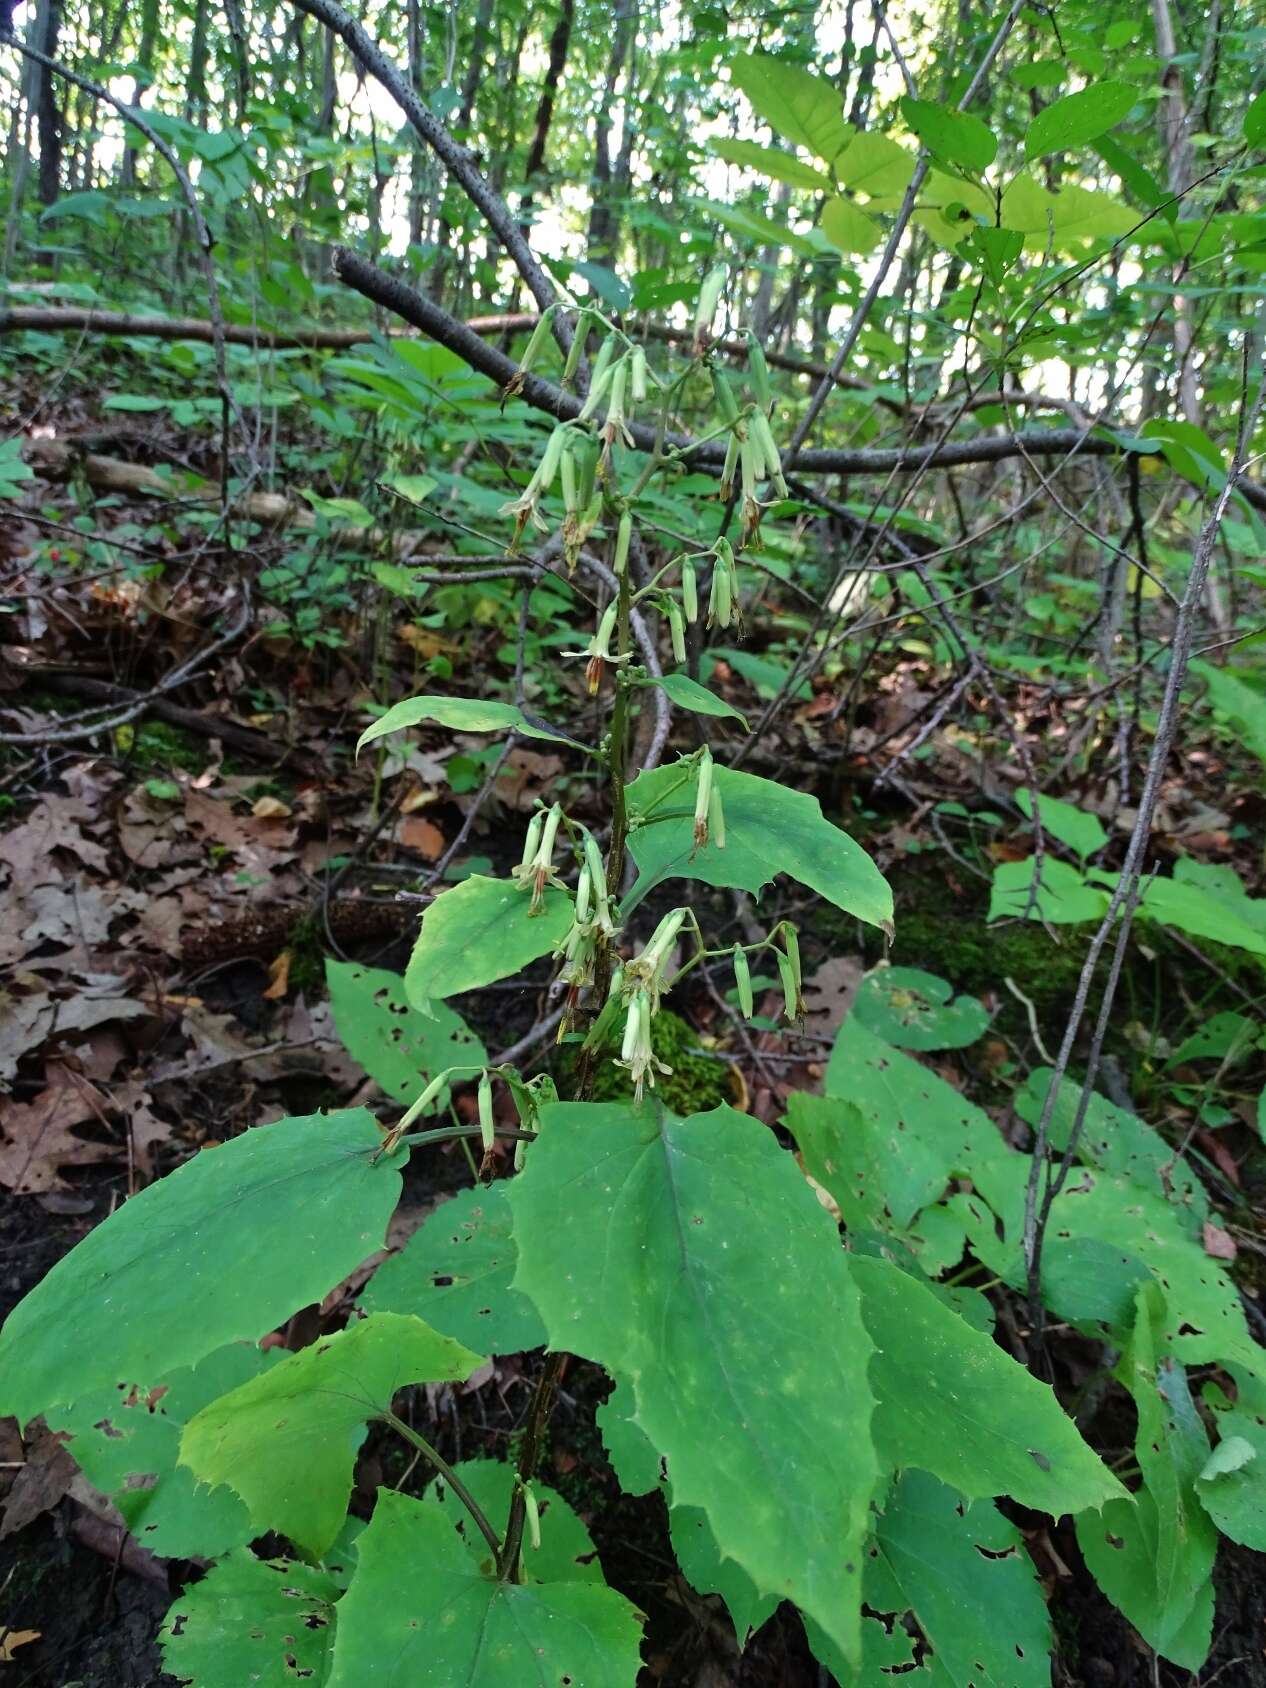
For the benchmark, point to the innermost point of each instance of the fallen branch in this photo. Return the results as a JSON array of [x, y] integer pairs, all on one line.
[[395, 295], [233, 736]]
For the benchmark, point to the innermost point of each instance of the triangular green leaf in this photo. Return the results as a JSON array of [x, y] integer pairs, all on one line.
[[291, 1208], [963, 1574], [481, 931], [452, 1625], [1153, 1555], [769, 828], [952, 1403], [287, 1441], [682, 1269]]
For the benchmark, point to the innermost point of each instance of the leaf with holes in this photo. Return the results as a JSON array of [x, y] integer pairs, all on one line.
[[398, 1047], [1152, 1554], [565, 1553], [455, 1625], [269, 1622], [455, 1273], [287, 1441], [681, 1269], [769, 829], [962, 1573], [952, 1403], [912, 1009], [222, 1250], [481, 931], [1232, 1482], [127, 1444]]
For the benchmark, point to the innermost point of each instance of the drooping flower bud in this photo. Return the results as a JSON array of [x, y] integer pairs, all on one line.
[[677, 630], [727, 404], [623, 538], [709, 299], [689, 591], [758, 374], [743, 981], [703, 797], [576, 350], [540, 334], [487, 1125], [763, 438], [637, 375], [726, 487]]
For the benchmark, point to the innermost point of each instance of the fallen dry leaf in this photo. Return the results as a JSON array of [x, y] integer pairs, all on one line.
[[36, 1138], [1219, 1243], [417, 833], [40, 1484], [270, 809], [278, 978], [12, 1639]]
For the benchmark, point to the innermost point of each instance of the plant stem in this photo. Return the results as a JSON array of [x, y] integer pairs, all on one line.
[[450, 1477], [508, 1568]]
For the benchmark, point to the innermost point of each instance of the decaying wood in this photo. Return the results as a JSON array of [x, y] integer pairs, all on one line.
[[58, 460]]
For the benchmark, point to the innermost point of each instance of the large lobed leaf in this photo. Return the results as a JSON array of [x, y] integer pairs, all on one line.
[[222, 1250], [1152, 1554], [685, 1268], [287, 1441], [269, 1623], [452, 1625], [962, 1573], [400, 1048], [127, 1444]]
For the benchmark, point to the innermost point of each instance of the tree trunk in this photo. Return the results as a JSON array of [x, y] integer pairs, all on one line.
[[144, 76], [602, 215], [48, 123], [558, 44]]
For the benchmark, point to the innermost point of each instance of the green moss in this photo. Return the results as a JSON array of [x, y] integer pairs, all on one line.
[[698, 1081], [159, 744]]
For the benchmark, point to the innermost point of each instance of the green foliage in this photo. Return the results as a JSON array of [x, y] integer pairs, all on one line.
[[464, 714], [293, 1206], [286, 1441], [962, 1574], [400, 1047], [457, 1625], [253, 1620], [480, 931], [769, 829], [455, 1272], [757, 1399], [127, 1444]]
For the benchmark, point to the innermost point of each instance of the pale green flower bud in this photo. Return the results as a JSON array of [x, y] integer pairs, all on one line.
[[743, 980], [623, 538], [689, 591], [703, 792], [577, 348], [677, 630], [758, 373], [487, 1125], [709, 299]]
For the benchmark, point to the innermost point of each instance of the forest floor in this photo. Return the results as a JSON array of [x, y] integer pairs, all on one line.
[[168, 893]]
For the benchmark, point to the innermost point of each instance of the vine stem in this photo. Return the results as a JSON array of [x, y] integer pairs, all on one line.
[[449, 1475]]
